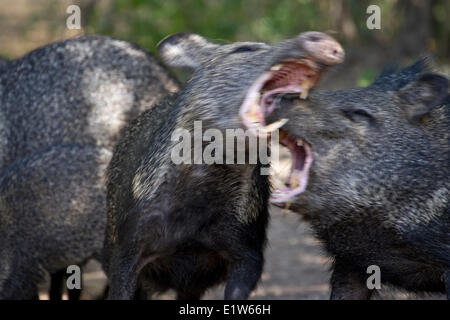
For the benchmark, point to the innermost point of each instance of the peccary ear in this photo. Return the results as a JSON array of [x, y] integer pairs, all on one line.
[[185, 50], [425, 93]]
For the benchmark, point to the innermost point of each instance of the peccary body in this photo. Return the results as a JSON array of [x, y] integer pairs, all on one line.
[[378, 188], [189, 226], [61, 108], [80, 90]]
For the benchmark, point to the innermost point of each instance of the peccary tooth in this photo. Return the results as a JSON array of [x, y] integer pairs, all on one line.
[[299, 142], [252, 112], [305, 89], [276, 67], [274, 126], [294, 179]]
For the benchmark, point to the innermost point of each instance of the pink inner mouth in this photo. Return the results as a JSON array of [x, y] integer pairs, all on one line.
[[289, 76], [302, 159]]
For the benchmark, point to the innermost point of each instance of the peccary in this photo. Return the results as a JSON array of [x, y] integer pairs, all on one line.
[[371, 171], [189, 227], [80, 90], [61, 109], [51, 214]]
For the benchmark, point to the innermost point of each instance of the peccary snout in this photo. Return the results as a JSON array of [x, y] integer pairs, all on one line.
[[322, 47]]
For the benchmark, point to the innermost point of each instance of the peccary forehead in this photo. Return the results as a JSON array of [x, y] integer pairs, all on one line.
[[378, 95], [369, 97]]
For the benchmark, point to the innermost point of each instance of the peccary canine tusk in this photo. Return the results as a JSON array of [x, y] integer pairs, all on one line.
[[273, 126], [306, 85]]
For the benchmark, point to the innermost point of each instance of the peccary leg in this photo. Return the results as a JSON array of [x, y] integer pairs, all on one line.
[[123, 274], [127, 258], [447, 283], [244, 276], [348, 285], [56, 285], [74, 294], [21, 285]]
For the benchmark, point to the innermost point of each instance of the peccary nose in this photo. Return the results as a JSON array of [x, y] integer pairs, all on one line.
[[321, 47]]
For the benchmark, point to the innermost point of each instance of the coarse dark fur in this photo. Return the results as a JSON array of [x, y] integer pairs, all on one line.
[[378, 191], [62, 107], [189, 227]]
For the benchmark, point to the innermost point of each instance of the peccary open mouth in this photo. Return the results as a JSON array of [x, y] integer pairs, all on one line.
[[288, 76], [301, 159], [294, 75]]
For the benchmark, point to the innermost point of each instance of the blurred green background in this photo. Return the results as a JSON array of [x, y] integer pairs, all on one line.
[[408, 28]]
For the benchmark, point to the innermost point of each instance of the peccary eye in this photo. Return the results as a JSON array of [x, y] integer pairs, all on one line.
[[243, 49], [356, 115]]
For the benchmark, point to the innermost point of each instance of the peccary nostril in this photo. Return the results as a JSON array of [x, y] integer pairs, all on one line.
[[313, 38]]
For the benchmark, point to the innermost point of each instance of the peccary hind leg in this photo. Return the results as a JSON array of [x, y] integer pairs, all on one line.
[[123, 275], [243, 277], [127, 261], [57, 284], [348, 285], [447, 283]]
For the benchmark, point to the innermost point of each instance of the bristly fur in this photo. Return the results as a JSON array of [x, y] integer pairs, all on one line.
[[189, 227], [379, 187], [62, 107], [392, 79]]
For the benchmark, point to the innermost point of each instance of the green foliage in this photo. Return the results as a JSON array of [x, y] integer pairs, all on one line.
[[366, 77], [149, 21]]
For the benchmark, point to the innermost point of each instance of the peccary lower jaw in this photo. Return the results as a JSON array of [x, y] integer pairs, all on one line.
[[371, 171]]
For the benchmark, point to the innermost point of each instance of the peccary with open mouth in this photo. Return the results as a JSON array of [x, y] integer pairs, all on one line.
[[188, 227], [370, 168]]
